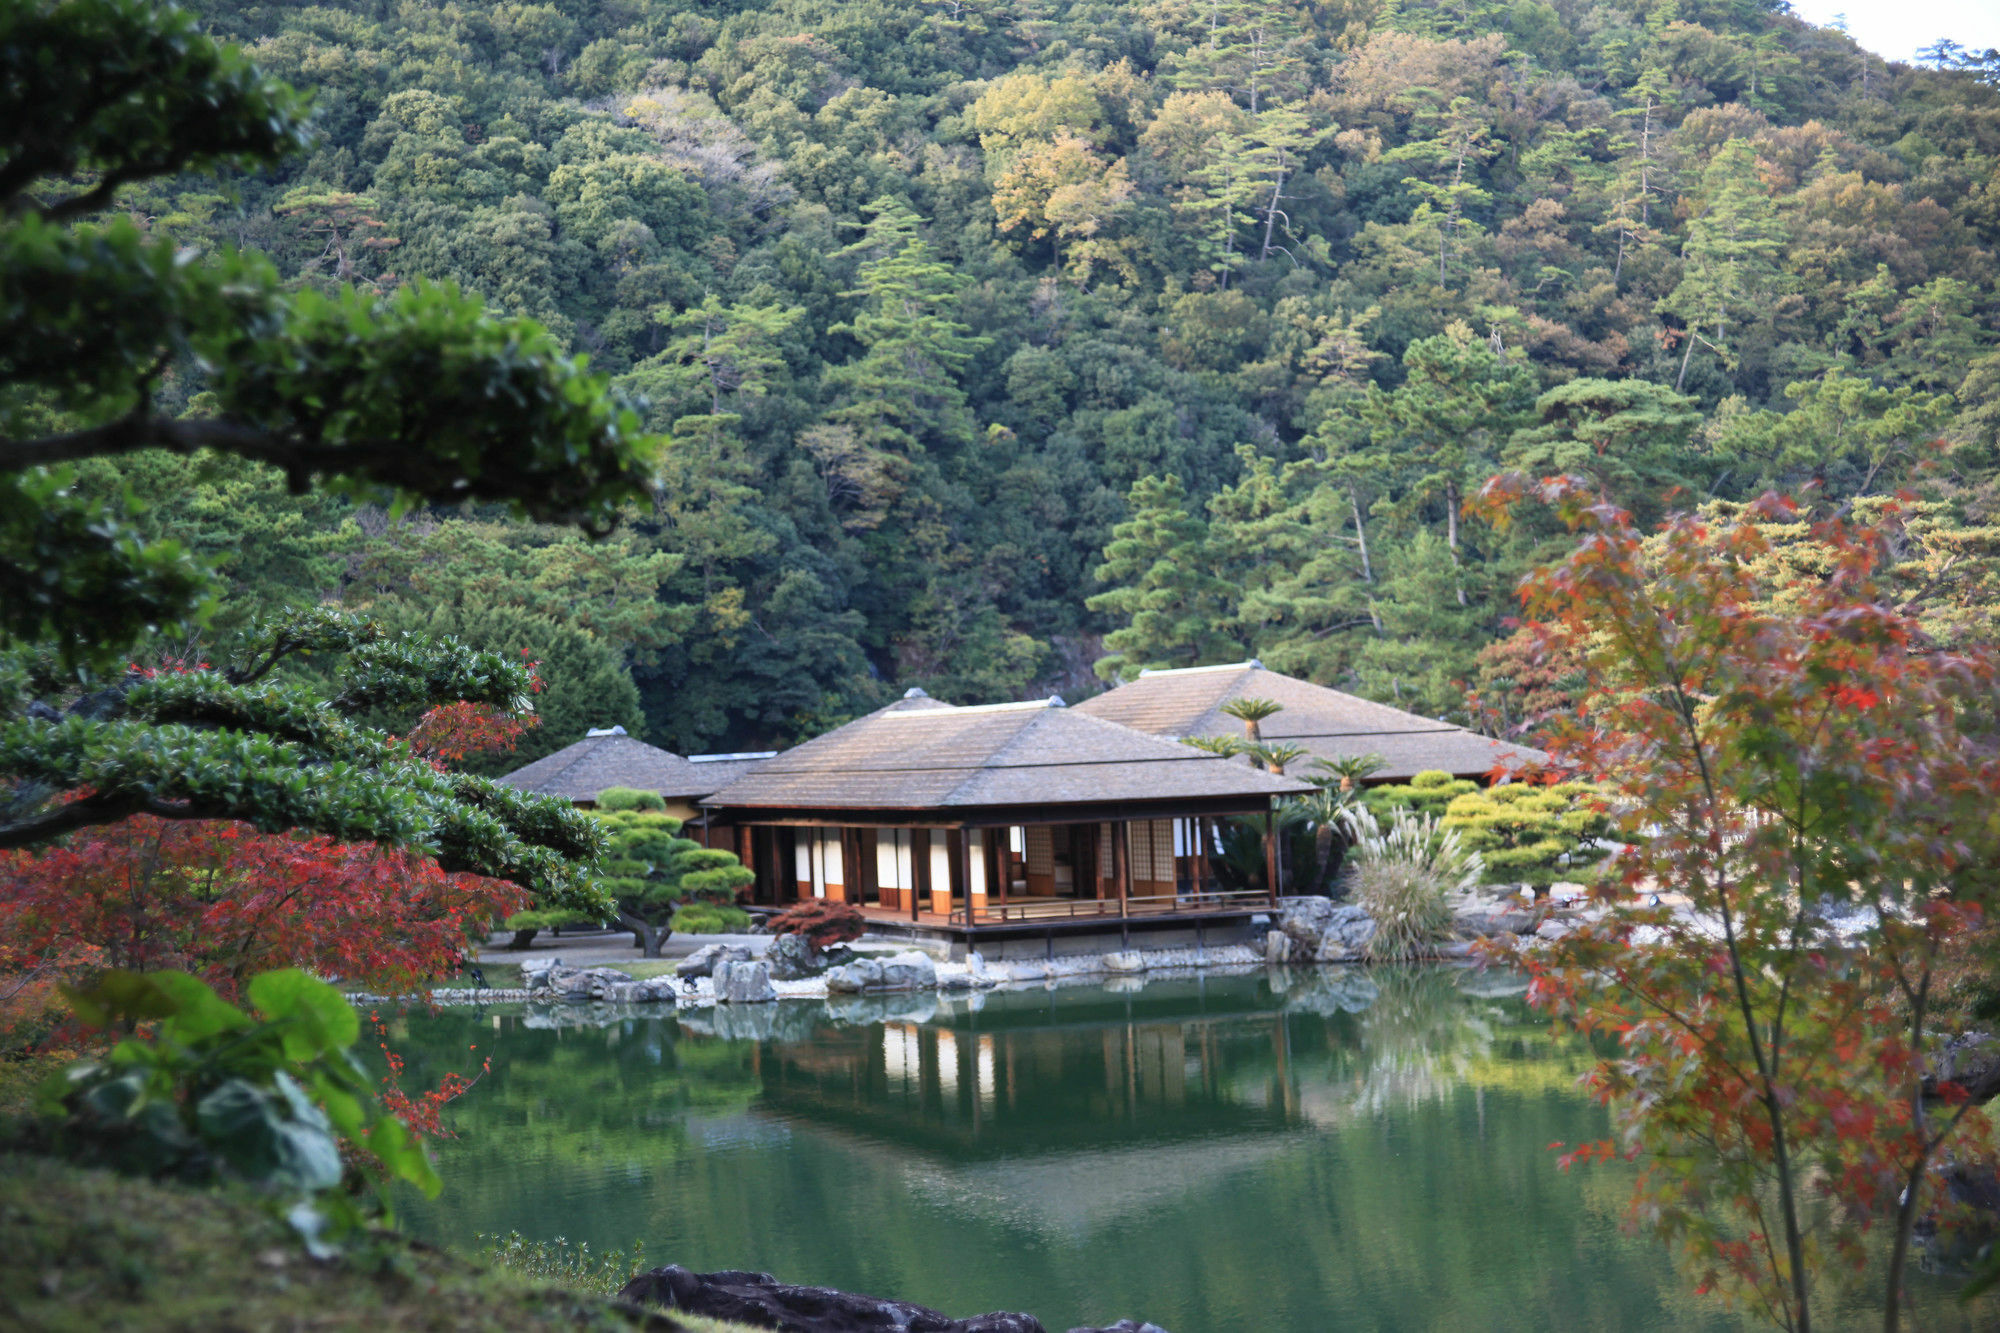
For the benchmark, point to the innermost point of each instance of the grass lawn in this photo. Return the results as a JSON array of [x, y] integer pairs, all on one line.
[[91, 1251]]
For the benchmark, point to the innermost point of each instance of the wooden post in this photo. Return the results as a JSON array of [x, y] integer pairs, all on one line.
[[1121, 862], [1271, 856], [960, 875], [920, 872], [1003, 857]]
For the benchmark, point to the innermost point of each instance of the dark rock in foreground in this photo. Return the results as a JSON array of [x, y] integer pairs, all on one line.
[[761, 1300]]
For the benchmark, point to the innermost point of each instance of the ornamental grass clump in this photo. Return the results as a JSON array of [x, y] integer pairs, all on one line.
[[1405, 878]]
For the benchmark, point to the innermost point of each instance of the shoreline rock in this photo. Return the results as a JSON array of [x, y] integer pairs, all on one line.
[[739, 982], [601, 985], [762, 1300]]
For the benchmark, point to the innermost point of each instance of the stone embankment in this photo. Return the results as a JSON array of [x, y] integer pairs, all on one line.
[[1304, 931], [761, 1300], [1320, 930]]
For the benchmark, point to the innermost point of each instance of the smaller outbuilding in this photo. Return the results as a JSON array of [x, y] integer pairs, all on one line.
[[1326, 723], [609, 758]]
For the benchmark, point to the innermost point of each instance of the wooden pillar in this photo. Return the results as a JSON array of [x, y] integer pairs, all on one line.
[[1121, 861], [1004, 857], [959, 877], [1271, 855], [920, 872]]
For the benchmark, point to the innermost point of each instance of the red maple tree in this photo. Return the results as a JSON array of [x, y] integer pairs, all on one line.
[[1806, 783]]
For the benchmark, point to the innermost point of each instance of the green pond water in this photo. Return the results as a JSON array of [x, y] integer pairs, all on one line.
[[1285, 1152]]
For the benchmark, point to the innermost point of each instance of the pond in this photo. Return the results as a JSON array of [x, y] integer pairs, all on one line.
[[1279, 1151]]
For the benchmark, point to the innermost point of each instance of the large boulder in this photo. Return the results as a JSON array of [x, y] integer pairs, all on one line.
[[1125, 963], [701, 963], [793, 958], [1319, 930], [1480, 917], [1304, 922], [904, 971], [603, 985], [760, 1300], [1345, 935], [739, 982]]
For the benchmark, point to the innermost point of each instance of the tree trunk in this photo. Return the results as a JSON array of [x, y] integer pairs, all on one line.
[[1271, 214], [645, 934], [1361, 540], [1686, 357], [1331, 852], [524, 938], [1451, 536]]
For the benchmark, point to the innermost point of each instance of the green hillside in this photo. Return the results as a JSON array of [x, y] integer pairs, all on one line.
[[940, 299]]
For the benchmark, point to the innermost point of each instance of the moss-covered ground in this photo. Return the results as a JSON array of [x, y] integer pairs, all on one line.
[[84, 1250]]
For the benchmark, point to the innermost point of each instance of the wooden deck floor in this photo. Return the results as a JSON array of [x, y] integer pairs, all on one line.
[[1017, 912]]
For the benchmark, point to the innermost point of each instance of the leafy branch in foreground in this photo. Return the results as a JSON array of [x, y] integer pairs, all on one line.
[[421, 394], [242, 743], [275, 1099]]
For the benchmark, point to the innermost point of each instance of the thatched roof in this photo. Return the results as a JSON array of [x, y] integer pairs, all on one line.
[[1328, 723], [611, 758], [921, 754]]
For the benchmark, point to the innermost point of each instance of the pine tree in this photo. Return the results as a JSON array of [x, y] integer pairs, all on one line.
[[1730, 255], [1441, 429], [651, 871], [1160, 575], [903, 391]]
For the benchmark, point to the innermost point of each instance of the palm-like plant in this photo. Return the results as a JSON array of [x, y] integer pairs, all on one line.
[[1250, 711], [1348, 771], [1226, 746], [1275, 757]]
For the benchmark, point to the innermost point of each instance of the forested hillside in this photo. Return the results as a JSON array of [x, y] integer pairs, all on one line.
[[983, 328]]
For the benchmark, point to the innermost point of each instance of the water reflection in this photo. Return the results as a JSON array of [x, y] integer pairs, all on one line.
[[1284, 1151]]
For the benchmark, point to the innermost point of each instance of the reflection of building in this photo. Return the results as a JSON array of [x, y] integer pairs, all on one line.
[[610, 758], [1065, 1113], [1017, 1075], [1326, 723], [995, 821]]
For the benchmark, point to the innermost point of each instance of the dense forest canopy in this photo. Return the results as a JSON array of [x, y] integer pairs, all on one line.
[[983, 329]]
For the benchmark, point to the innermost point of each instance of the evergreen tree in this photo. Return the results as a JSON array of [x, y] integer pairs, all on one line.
[[651, 872], [1441, 429], [1161, 578], [1729, 258]]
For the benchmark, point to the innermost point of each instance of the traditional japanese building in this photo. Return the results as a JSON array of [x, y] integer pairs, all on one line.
[[1007, 819], [610, 758], [1326, 723]]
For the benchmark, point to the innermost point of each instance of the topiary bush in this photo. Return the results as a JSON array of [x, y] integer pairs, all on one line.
[[1405, 877], [1530, 834], [653, 873], [705, 918], [527, 925], [1428, 793], [614, 799]]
